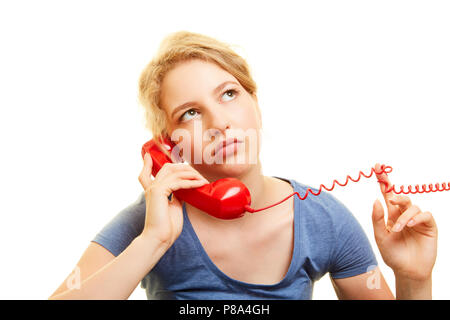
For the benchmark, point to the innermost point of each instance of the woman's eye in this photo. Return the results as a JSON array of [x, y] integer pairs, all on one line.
[[189, 112], [228, 91], [231, 93]]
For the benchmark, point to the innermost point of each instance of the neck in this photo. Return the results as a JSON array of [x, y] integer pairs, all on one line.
[[256, 183]]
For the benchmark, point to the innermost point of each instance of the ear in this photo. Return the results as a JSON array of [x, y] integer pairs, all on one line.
[[166, 135]]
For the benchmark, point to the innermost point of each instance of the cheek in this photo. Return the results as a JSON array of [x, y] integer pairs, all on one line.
[[246, 117]]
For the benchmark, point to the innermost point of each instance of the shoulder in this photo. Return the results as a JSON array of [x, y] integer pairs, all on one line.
[[126, 225], [324, 219], [131, 216], [321, 206], [332, 230]]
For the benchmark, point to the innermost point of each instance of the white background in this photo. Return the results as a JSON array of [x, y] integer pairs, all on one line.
[[342, 85]]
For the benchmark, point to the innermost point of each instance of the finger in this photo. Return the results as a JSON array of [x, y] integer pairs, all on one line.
[[177, 178], [169, 168], [144, 176], [403, 202], [185, 167], [175, 167], [384, 181], [148, 161], [425, 218], [185, 175], [379, 226], [405, 217], [187, 184], [393, 211]]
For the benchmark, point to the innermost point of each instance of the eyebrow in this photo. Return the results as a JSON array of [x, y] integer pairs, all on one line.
[[188, 104]]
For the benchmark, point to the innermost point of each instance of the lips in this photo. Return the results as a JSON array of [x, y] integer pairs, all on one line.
[[224, 143]]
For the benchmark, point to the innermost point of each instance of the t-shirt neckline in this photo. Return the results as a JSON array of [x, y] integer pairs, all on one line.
[[212, 266]]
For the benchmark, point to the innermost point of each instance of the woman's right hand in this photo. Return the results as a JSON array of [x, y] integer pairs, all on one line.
[[164, 217]]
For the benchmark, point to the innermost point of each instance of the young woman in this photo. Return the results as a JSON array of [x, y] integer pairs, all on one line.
[[178, 252]]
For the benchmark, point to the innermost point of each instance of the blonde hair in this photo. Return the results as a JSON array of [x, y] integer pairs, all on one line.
[[178, 47]]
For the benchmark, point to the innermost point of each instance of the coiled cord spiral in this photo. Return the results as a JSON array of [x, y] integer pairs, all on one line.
[[383, 169]]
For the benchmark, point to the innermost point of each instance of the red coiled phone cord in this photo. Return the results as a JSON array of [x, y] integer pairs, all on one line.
[[383, 169]]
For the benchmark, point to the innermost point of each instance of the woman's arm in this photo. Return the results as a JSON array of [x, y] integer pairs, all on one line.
[[93, 259], [408, 289], [115, 277], [367, 286], [372, 286]]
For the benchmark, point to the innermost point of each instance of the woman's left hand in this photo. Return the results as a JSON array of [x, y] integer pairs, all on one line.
[[408, 243]]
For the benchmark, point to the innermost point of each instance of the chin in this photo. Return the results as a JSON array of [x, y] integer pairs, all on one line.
[[225, 170]]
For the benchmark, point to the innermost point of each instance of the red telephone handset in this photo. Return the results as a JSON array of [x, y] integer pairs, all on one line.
[[226, 198]]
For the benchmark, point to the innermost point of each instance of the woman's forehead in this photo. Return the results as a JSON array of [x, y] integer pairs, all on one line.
[[194, 73], [191, 80]]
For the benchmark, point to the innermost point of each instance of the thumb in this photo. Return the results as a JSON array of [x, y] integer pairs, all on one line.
[[148, 161], [379, 226], [145, 176]]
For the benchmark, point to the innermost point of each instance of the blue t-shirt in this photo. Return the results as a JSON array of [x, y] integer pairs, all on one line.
[[328, 238]]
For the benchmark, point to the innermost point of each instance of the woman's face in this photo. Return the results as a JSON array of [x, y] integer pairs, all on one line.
[[206, 105]]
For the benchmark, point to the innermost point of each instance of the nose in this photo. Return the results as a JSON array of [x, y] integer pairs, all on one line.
[[218, 122]]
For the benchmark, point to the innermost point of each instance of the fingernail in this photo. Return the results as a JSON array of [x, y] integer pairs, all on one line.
[[411, 223], [397, 227]]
